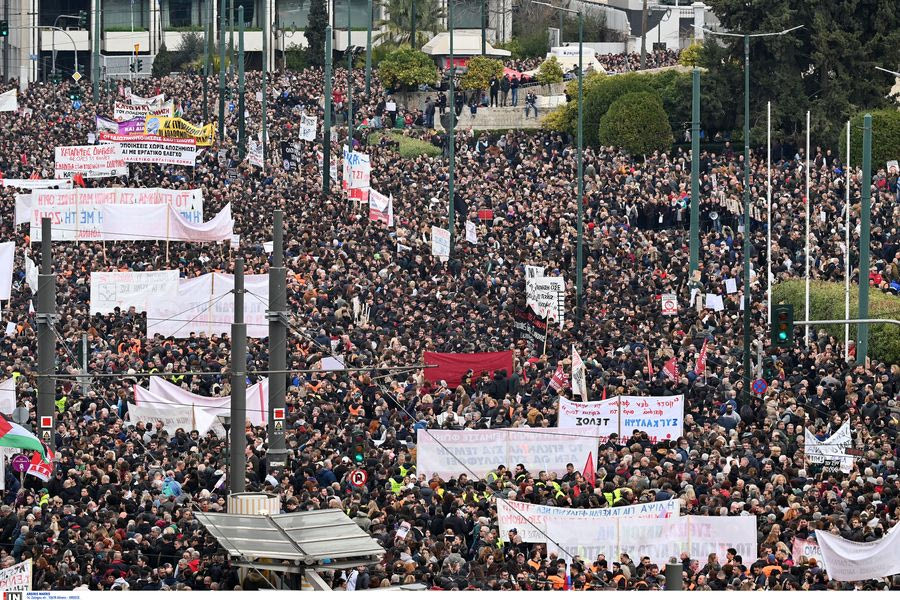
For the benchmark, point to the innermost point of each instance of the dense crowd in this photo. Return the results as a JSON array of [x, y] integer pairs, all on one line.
[[119, 509]]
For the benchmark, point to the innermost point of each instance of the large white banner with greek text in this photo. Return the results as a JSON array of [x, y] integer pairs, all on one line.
[[16, 578], [257, 400], [205, 304], [36, 184], [106, 160], [130, 288], [154, 149], [547, 297], [857, 561], [662, 417], [481, 451], [164, 223], [830, 453], [532, 520]]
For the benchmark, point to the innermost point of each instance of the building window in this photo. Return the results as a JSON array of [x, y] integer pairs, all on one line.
[[293, 15], [123, 15], [467, 14], [359, 14]]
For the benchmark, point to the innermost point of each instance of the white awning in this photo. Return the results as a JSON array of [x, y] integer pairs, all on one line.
[[466, 42]]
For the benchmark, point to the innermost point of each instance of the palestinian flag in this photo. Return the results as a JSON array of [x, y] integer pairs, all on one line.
[[16, 436]]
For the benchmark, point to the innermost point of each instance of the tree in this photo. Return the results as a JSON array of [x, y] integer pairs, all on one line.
[[827, 67], [397, 27], [162, 64], [885, 138], [405, 67], [315, 33], [190, 50], [479, 71], [550, 72], [637, 123], [690, 56]]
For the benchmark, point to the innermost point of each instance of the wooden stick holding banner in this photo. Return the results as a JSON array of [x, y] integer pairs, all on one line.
[[546, 335], [169, 206]]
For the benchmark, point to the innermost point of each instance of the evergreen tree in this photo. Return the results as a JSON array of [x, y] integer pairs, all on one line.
[[315, 32]]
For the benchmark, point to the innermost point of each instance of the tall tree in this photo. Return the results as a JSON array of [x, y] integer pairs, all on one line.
[[315, 32], [397, 23], [828, 67]]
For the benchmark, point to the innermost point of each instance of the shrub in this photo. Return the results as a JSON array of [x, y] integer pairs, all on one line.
[[407, 69], [409, 147], [690, 56], [479, 71], [885, 138], [637, 122], [827, 302], [550, 72]]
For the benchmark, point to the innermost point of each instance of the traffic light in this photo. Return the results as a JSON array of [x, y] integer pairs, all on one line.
[[140, 65], [358, 445], [4, 28], [82, 19], [783, 325], [74, 93]]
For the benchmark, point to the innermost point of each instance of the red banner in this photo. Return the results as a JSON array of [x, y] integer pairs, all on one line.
[[452, 367]]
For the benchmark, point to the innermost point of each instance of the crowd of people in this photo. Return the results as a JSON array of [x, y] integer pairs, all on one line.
[[119, 509]]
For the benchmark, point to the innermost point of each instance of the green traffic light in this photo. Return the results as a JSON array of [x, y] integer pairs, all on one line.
[[782, 335], [359, 457]]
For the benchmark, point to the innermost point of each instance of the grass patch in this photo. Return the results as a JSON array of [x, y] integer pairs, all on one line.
[[409, 147], [827, 302]]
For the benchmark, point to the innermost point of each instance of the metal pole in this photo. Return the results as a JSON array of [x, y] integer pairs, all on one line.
[[644, 36], [349, 83], [206, 71], [326, 130], [412, 34], [560, 27], [238, 467], [46, 319], [808, 203], [483, 29], [53, 47], [747, 298], [265, 75], [579, 257], [231, 40], [862, 345], [6, 43], [221, 71], [695, 173], [86, 382], [369, 50], [242, 123], [95, 60], [769, 212], [847, 250], [276, 453], [451, 135]]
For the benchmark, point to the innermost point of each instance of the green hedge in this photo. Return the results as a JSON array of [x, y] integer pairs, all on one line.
[[636, 122], [409, 147], [827, 302], [885, 138]]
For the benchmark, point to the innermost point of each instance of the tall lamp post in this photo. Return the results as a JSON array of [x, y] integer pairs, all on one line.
[[579, 266], [747, 296]]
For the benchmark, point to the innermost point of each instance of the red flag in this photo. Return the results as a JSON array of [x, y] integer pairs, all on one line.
[[40, 469], [649, 364], [603, 397], [35, 175], [78, 180], [560, 380], [670, 369], [589, 474], [700, 368], [24, 158]]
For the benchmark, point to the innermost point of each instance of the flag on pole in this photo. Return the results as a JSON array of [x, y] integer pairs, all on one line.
[[39, 468], [559, 381], [13, 435], [579, 380], [589, 474], [700, 368], [670, 369], [78, 179], [649, 365], [9, 101], [603, 396]]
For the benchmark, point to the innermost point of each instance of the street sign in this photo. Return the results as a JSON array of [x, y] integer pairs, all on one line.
[[34, 57], [76, 104], [358, 478], [278, 413], [669, 305], [20, 463], [759, 387], [76, 76], [46, 422]]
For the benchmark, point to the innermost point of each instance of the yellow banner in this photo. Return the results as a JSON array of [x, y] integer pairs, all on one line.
[[174, 127]]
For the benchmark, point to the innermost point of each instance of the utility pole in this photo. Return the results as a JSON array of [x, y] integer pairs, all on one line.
[[231, 40], [695, 173], [6, 43], [265, 75], [242, 125], [238, 467], [483, 29], [412, 34], [451, 135], [206, 70], [644, 36], [95, 60], [747, 297], [862, 345], [326, 131], [349, 84], [86, 380], [46, 320], [276, 454], [221, 71], [579, 272], [369, 50]]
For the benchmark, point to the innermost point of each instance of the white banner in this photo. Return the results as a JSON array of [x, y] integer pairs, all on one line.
[[153, 149], [357, 170], [662, 417], [544, 449], [205, 304], [7, 397], [163, 223], [9, 101], [106, 160], [381, 208], [807, 548], [669, 304], [76, 214], [308, 128], [471, 233], [858, 561], [579, 375], [122, 111], [139, 101], [547, 297], [531, 521], [660, 539], [16, 578], [7, 254], [37, 184], [832, 452], [130, 288], [440, 242], [255, 154], [257, 400], [149, 409], [532, 271]]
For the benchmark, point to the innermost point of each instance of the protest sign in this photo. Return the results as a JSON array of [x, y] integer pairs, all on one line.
[[125, 289], [90, 161], [808, 548], [532, 271], [308, 128], [830, 453], [579, 375], [857, 561], [176, 127], [105, 124], [149, 409], [547, 296], [381, 208], [37, 184], [440, 242], [139, 101], [529, 325], [357, 174], [290, 156], [662, 417], [123, 111], [7, 255], [152, 149], [531, 521], [255, 154], [171, 394], [8, 394], [9, 101], [16, 578], [205, 305], [471, 233], [164, 223], [669, 305], [481, 451]]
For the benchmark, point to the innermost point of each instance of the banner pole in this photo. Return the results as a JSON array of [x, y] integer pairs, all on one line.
[[167, 232]]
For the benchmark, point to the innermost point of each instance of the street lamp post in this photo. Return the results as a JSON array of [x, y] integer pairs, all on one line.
[[579, 257], [747, 296], [451, 135], [369, 50]]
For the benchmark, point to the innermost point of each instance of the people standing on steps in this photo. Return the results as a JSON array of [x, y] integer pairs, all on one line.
[[514, 88], [495, 89], [531, 104], [504, 90]]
